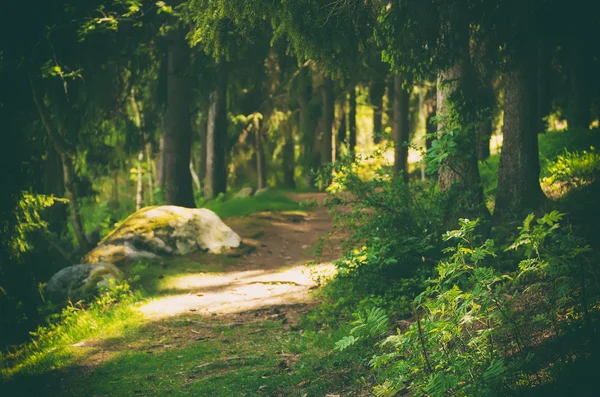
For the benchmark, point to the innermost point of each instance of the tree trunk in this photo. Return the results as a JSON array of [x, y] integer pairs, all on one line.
[[578, 112], [484, 135], [459, 174], [261, 166], [352, 122], [400, 127], [150, 174], [328, 116], [544, 60], [341, 131], [216, 138], [307, 126], [376, 93], [66, 158], [177, 126], [202, 168], [289, 157], [139, 196], [519, 170], [431, 127], [160, 167]]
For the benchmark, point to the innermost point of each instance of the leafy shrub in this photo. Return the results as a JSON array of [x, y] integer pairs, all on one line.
[[474, 329]]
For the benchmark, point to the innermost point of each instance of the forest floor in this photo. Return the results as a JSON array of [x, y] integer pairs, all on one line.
[[221, 326]]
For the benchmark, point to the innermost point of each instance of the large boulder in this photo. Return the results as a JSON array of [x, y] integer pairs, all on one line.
[[244, 192], [165, 230], [81, 281]]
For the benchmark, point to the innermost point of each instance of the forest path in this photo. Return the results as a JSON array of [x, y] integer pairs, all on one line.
[[279, 272]]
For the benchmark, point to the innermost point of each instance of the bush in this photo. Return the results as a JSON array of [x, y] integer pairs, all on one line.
[[475, 331]]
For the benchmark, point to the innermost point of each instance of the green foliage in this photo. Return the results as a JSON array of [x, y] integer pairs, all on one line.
[[573, 169], [396, 224], [29, 219], [473, 327]]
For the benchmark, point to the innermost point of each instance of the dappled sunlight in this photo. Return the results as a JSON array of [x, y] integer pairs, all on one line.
[[238, 291]]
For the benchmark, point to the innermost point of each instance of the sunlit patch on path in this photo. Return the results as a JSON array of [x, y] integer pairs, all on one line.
[[239, 291]]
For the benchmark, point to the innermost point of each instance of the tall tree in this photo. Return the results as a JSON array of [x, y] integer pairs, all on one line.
[[519, 170], [328, 116], [177, 125], [216, 137], [400, 127], [352, 121]]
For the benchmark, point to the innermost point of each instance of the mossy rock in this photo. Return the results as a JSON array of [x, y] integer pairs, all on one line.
[[165, 230], [81, 281]]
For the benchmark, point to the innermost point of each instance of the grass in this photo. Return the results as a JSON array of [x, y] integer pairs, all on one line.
[[270, 201], [51, 345], [182, 357]]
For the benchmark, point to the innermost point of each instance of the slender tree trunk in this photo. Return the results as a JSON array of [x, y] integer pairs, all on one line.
[[216, 138], [261, 166], [289, 157], [139, 197], [160, 167], [376, 93], [519, 170], [544, 60], [341, 131], [431, 127], [328, 116], [151, 171], [307, 126], [390, 100], [177, 125], [195, 177], [138, 120], [484, 135], [352, 122], [400, 128], [578, 112], [202, 160], [66, 158]]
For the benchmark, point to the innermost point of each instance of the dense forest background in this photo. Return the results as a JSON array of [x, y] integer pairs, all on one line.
[[417, 117]]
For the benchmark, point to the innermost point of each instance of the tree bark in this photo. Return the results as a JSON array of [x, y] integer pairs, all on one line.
[[289, 159], [160, 167], [519, 171], [139, 197], [484, 135], [376, 93], [459, 174], [400, 127], [261, 166], [352, 122], [341, 130], [579, 102], [216, 138], [328, 116], [308, 123], [177, 125], [202, 167], [66, 158]]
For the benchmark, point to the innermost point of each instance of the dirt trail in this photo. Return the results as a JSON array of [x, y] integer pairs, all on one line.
[[275, 274]]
